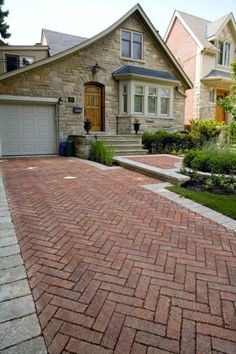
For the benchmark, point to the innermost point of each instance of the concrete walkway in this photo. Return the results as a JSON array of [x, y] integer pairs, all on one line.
[[19, 325], [116, 268]]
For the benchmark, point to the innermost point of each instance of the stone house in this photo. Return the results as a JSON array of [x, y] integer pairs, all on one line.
[[205, 50], [126, 71]]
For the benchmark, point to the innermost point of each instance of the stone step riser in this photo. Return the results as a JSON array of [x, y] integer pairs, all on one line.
[[124, 144]]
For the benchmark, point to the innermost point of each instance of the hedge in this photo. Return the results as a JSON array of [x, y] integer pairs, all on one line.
[[211, 162], [166, 142]]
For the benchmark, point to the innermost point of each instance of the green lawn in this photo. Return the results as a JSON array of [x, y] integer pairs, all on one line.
[[224, 204]]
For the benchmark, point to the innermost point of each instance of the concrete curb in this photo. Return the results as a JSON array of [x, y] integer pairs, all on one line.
[[20, 331], [219, 218]]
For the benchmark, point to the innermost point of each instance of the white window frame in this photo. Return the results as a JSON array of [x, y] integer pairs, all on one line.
[[143, 95], [170, 104], [156, 96], [122, 97], [224, 57], [121, 42], [131, 84], [26, 57], [212, 96]]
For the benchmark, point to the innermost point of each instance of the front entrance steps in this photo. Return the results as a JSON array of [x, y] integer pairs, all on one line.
[[124, 145]]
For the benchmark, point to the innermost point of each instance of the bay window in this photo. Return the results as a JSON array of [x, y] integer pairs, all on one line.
[[144, 99]]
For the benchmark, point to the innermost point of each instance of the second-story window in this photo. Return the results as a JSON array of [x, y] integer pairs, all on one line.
[[132, 45], [224, 56]]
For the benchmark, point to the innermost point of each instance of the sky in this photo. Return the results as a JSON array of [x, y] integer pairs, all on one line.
[[88, 17]]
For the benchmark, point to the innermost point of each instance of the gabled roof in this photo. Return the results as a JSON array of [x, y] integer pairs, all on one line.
[[199, 28], [58, 42], [213, 27], [136, 9], [140, 71]]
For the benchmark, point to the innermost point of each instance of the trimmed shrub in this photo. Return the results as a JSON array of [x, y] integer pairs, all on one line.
[[100, 152], [221, 163], [166, 142]]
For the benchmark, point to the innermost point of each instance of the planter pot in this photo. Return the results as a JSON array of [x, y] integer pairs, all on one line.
[[136, 127], [87, 126]]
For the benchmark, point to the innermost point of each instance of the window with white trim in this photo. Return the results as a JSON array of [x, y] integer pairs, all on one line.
[[124, 98], [152, 100], [224, 55], [143, 99], [139, 99], [27, 60], [212, 96], [165, 95], [131, 45]]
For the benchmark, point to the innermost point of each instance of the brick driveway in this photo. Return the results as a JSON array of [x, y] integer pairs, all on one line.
[[116, 268], [161, 161]]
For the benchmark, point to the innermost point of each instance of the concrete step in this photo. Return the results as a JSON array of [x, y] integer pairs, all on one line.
[[124, 144], [130, 152]]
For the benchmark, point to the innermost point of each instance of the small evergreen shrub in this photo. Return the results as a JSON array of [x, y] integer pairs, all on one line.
[[100, 152]]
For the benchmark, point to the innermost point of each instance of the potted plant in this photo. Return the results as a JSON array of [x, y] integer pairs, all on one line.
[[87, 124], [136, 124]]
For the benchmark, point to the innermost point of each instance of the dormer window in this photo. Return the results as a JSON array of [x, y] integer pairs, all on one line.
[[224, 56], [131, 45]]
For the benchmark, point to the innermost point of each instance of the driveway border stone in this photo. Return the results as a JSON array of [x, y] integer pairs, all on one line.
[[20, 331], [219, 218]]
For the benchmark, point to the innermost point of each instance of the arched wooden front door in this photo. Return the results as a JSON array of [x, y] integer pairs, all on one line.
[[94, 105]]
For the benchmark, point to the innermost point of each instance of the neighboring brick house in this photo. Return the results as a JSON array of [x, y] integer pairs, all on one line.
[[123, 72], [205, 50]]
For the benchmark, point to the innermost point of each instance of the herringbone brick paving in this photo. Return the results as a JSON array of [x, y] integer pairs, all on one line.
[[161, 161], [115, 268]]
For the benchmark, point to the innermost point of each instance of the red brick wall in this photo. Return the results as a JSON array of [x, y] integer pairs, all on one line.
[[184, 49]]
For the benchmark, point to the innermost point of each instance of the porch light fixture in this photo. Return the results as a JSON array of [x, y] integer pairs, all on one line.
[[60, 100], [96, 68]]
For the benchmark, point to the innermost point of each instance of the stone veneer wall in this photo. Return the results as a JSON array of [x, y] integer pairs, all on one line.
[[67, 76]]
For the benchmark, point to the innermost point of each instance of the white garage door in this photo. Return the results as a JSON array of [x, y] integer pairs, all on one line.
[[27, 129]]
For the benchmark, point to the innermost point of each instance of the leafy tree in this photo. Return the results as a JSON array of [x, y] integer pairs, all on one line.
[[229, 102], [3, 26]]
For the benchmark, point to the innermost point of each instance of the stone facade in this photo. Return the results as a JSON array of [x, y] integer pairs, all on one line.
[[67, 76]]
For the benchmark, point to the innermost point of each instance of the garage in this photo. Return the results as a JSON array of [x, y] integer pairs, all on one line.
[[27, 129]]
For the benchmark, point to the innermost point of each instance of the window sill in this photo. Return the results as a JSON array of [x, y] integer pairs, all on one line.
[[148, 118], [135, 60], [224, 67]]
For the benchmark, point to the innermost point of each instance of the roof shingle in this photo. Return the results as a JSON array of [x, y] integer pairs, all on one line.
[[58, 42]]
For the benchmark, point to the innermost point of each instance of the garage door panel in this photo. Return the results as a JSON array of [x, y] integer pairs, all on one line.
[[28, 135], [27, 129], [13, 109], [28, 109], [12, 122], [13, 135]]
